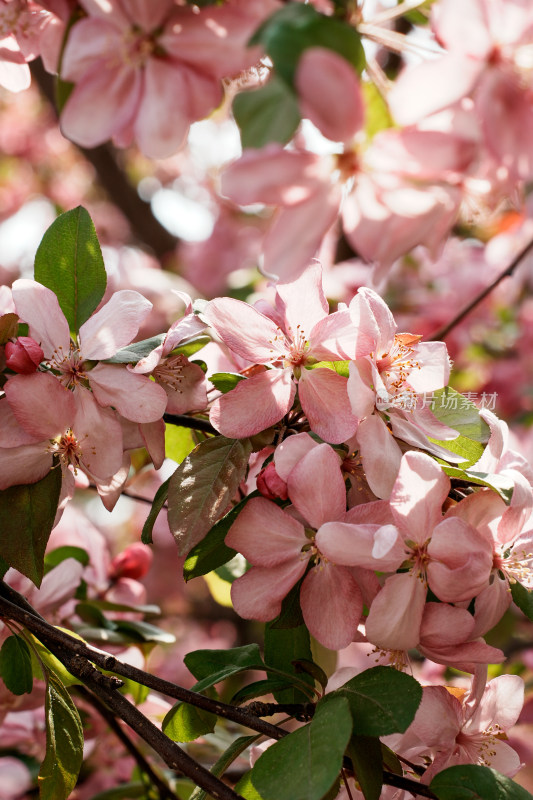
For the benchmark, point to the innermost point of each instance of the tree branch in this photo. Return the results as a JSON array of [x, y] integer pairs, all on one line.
[[445, 330], [184, 421]]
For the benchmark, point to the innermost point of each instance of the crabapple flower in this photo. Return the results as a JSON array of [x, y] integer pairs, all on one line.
[[281, 546], [146, 71], [113, 326], [183, 382], [294, 337]]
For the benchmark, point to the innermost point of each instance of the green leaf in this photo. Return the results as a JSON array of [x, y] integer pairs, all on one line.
[[141, 631], [133, 353], [27, 515], [69, 262], [283, 646], [305, 764], [453, 409], [295, 27], [226, 760], [472, 782], [268, 114], [191, 346], [366, 757], [15, 665], [211, 552], [212, 666], [523, 598], [42, 657], [160, 499], [303, 665], [64, 743], [226, 381], [501, 484], [340, 367], [246, 789], [179, 442], [377, 115], [127, 791], [470, 450], [60, 554], [185, 723], [382, 701], [203, 486], [260, 689]]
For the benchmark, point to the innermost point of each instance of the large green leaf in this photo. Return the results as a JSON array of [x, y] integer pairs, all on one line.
[[27, 515], [202, 487], [179, 442], [282, 647], [305, 764], [69, 262], [382, 701], [472, 782], [15, 665], [296, 27], [64, 743], [458, 412], [365, 754], [211, 666], [500, 483], [268, 114]]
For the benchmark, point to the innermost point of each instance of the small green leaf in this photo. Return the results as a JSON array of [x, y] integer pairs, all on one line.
[[64, 743], [185, 723], [212, 666], [523, 598], [268, 114], [472, 782], [160, 499], [382, 701], [226, 760], [133, 353], [59, 554], [141, 631], [179, 442], [42, 657], [226, 381], [191, 346], [458, 412], [340, 367], [365, 754], [469, 450], [283, 646], [295, 27], [203, 486], [246, 789], [69, 262], [27, 515], [305, 764], [500, 483], [15, 665], [260, 689]]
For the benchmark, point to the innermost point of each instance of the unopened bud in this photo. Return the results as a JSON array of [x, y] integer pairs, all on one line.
[[23, 355], [133, 562], [270, 484]]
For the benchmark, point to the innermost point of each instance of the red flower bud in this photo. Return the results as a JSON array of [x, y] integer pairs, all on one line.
[[133, 562], [23, 355], [270, 484]]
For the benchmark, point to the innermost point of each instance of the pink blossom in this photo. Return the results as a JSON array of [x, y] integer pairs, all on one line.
[[145, 73], [111, 327], [280, 547], [291, 339]]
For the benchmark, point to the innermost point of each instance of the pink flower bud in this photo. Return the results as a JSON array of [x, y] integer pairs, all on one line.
[[24, 355], [270, 484], [133, 562]]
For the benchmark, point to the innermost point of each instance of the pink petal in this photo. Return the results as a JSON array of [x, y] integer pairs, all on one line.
[[88, 42], [266, 535], [396, 614], [335, 337], [11, 434], [491, 604], [432, 369], [41, 405], [380, 453], [316, 500], [260, 591], [134, 396], [115, 325], [329, 93], [290, 451], [100, 436], [153, 434], [371, 546], [26, 464], [39, 307], [301, 318], [332, 605], [192, 392], [324, 398], [254, 405], [245, 330], [460, 561], [362, 397], [103, 103], [110, 490], [419, 492]]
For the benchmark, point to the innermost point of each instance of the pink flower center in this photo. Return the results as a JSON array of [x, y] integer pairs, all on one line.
[[397, 363], [69, 366], [137, 48], [68, 448], [170, 372]]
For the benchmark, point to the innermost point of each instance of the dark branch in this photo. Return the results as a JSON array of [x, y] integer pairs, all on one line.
[[185, 421], [444, 331]]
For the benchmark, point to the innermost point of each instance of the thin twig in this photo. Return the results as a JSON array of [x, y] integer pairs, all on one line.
[[184, 421], [165, 793], [444, 331]]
